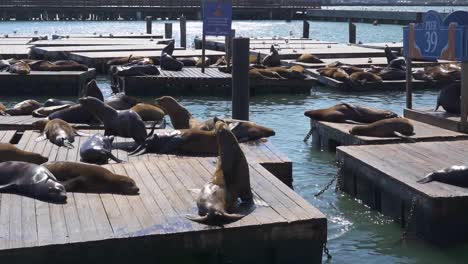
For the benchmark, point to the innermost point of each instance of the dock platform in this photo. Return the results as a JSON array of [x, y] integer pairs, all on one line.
[[111, 36], [394, 46], [324, 52], [14, 51], [191, 81], [437, 118], [97, 41], [358, 62], [45, 83], [384, 178], [328, 135]]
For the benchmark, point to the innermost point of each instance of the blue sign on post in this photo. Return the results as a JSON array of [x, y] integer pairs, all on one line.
[[217, 17], [437, 38]]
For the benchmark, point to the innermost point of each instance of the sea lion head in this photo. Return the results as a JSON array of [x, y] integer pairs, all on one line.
[[124, 185], [92, 105], [47, 187]]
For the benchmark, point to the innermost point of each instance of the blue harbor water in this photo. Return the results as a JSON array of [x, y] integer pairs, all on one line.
[[356, 234]]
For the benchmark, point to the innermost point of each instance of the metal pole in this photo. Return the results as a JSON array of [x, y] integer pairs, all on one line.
[[409, 83], [149, 24], [305, 29], [168, 30], [203, 52], [464, 95], [183, 31], [352, 32], [240, 78]]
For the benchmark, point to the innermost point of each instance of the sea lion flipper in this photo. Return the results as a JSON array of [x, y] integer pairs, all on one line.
[[68, 144], [196, 218], [114, 158], [398, 134], [426, 179], [138, 149], [81, 134], [42, 137]]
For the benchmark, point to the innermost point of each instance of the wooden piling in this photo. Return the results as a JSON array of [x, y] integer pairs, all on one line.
[[168, 30], [240, 78], [305, 29], [409, 83], [352, 32], [183, 31], [228, 46], [149, 25]]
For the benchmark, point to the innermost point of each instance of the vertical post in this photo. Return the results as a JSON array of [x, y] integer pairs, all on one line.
[[149, 24], [352, 32], [419, 17], [203, 52], [409, 83], [240, 78], [464, 95], [228, 46], [183, 31], [305, 29], [168, 30]]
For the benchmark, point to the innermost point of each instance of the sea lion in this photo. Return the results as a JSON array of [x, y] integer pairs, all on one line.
[[440, 74], [364, 77], [136, 70], [385, 128], [220, 62], [140, 62], [21, 68], [46, 111], [124, 123], [2, 109], [243, 130], [199, 62], [335, 73], [180, 117], [345, 112], [184, 141], [74, 114], [23, 108], [90, 178], [30, 180], [273, 59], [93, 90], [57, 131], [122, 101], [57, 102], [167, 62], [449, 98], [4, 65], [309, 58], [231, 181], [292, 73], [9, 152], [392, 74], [148, 112], [264, 74], [68, 65], [455, 175], [122, 61], [98, 149], [190, 62]]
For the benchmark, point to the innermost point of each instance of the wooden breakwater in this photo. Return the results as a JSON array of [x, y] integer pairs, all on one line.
[[390, 17]]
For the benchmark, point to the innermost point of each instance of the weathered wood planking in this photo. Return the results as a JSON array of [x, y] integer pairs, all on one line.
[[328, 135], [291, 229], [14, 51], [111, 36], [384, 177], [191, 81], [325, 52], [51, 51], [262, 152], [14, 41], [97, 41], [358, 62], [6, 136], [438, 118], [395, 46], [46, 83]]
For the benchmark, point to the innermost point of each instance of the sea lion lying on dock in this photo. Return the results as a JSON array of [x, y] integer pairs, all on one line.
[[122, 101], [149, 112], [362, 78], [57, 131], [199, 62], [455, 175], [64, 65], [385, 128], [57, 102], [273, 59], [74, 114], [31, 180], [23, 108], [2, 109], [168, 62], [189, 62], [218, 199], [243, 130], [46, 111], [345, 112], [335, 73], [89, 178], [9, 152], [122, 61], [98, 149], [449, 98], [20, 67], [136, 70], [309, 58]]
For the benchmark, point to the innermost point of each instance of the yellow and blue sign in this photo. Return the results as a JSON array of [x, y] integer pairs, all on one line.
[[217, 17], [438, 38]]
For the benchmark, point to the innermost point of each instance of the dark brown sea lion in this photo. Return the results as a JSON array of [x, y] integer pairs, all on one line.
[[46, 111], [440, 74], [121, 101], [273, 59], [345, 112], [168, 62], [148, 112], [98, 149], [364, 77], [31, 180], [140, 62], [9, 152], [218, 199], [21, 68], [136, 70], [392, 74], [124, 123], [292, 73], [56, 131], [89, 178], [74, 114], [350, 69], [385, 128], [93, 90], [68, 65], [122, 61], [56, 102], [183, 141], [180, 117], [189, 62], [455, 175], [309, 58], [449, 98], [23, 108]]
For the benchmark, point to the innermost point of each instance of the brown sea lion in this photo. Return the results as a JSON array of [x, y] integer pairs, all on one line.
[[56, 131], [31, 180], [122, 101], [335, 73], [221, 62], [218, 199], [46, 111], [68, 65], [89, 178], [292, 73], [385, 128], [243, 130], [364, 77], [345, 112], [260, 74], [199, 62], [189, 62], [273, 59], [309, 58], [440, 74], [2, 109], [183, 141], [148, 112], [180, 117], [21, 68], [23, 108], [9, 152], [57, 102]]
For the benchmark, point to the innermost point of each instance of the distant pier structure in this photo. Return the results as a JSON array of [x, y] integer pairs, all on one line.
[[139, 9]]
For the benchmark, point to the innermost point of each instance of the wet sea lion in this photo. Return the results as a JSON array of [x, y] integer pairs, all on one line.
[[218, 199], [184, 141], [4, 65], [122, 101], [31, 180], [23, 108], [167, 62], [148, 112], [46, 111], [385, 128], [9, 152], [243, 130], [124, 123], [264, 74], [364, 77], [21, 68], [273, 59], [98, 149], [180, 117], [455, 175], [309, 58], [136, 70], [90, 178], [93, 90], [345, 112], [56, 102], [57, 131], [74, 114], [449, 98]]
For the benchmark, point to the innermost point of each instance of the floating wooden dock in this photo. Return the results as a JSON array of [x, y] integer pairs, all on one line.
[[45, 83], [358, 62], [125, 36], [395, 46], [14, 41], [328, 135], [384, 178], [191, 81], [97, 41], [437, 118], [14, 51], [325, 52]]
